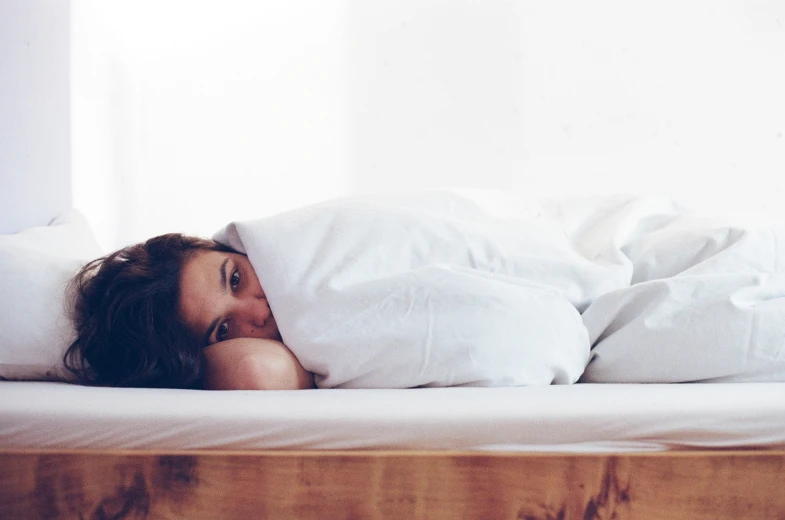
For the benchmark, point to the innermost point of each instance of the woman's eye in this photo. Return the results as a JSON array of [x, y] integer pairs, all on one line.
[[223, 330], [235, 279]]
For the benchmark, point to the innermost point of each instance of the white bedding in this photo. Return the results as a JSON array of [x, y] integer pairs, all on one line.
[[582, 418], [441, 289]]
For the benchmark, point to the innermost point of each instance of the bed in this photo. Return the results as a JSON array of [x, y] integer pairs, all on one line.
[[526, 452], [581, 451]]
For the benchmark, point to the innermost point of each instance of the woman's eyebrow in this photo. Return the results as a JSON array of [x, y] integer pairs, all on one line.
[[214, 324], [223, 274]]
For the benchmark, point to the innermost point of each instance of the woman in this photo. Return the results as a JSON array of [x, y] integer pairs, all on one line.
[[178, 312], [435, 291]]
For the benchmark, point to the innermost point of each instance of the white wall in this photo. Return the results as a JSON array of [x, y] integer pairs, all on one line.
[[683, 97], [435, 93], [190, 114], [187, 115], [35, 157]]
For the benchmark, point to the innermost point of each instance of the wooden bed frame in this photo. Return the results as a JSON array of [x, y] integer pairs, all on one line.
[[396, 484]]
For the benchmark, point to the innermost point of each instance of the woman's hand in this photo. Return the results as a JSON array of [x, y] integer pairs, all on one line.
[[254, 364]]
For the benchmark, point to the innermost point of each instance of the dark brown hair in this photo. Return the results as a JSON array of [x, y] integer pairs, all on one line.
[[125, 311]]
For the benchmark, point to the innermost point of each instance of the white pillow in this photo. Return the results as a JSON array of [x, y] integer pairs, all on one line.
[[36, 266]]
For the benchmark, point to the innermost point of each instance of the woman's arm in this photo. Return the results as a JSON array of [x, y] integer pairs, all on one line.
[[254, 364]]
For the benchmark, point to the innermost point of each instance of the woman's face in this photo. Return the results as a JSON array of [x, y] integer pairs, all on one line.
[[221, 298]]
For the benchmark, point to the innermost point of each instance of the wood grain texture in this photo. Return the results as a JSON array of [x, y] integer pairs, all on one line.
[[411, 485]]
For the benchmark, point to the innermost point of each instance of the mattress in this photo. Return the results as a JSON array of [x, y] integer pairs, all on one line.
[[577, 418]]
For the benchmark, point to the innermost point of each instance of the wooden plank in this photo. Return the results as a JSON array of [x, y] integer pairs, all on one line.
[[411, 485]]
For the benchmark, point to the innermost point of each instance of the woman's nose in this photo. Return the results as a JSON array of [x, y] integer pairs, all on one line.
[[254, 312]]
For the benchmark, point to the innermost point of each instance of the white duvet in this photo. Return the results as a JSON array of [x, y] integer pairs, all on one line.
[[485, 289]]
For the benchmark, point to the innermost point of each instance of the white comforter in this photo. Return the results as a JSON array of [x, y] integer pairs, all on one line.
[[485, 289]]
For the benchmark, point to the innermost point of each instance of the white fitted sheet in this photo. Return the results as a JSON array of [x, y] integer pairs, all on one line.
[[578, 418]]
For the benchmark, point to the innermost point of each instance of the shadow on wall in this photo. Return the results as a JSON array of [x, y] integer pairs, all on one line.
[[35, 155]]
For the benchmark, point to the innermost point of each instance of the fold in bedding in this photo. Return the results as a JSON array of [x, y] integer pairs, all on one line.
[[443, 289]]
